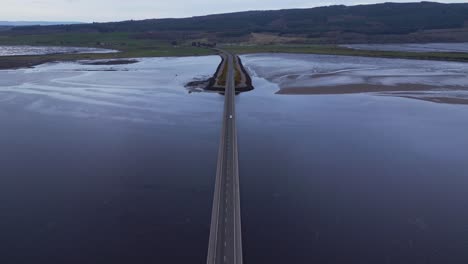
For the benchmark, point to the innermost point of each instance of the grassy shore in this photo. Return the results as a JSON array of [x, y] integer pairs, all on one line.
[[131, 46], [126, 43], [337, 50]]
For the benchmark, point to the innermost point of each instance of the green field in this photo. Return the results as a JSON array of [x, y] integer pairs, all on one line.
[[130, 46]]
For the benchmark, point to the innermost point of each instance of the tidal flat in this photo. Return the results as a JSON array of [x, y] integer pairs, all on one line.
[[327, 74]]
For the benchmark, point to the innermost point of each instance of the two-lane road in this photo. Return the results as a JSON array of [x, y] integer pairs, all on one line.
[[225, 242]]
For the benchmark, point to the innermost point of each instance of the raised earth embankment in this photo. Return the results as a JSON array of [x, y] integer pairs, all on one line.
[[243, 81], [217, 83]]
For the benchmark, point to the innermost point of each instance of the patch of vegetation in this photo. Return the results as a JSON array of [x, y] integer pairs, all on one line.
[[237, 73], [223, 77]]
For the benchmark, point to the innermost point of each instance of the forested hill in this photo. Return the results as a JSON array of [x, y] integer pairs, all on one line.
[[321, 22]]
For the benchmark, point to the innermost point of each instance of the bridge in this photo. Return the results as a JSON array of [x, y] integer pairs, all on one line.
[[225, 242]]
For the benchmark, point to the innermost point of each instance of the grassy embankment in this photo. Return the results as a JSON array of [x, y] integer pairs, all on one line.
[[336, 50], [237, 73], [222, 78], [128, 46]]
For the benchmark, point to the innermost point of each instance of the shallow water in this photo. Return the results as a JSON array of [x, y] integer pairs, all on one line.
[[292, 70], [117, 164], [44, 50], [351, 178], [413, 47], [414, 78], [101, 166]]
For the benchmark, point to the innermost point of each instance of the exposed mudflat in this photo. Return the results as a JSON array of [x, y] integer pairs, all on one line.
[[413, 47], [323, 74], [109, 62]]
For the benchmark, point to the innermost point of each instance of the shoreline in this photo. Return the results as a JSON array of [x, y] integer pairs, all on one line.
[[436, 99], [334, 50], [383, 90], [358, 88], [27, 61]]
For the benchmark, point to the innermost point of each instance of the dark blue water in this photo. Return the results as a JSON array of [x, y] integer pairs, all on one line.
[[107, 166], [93, 191], [97, 170], [352, 179]]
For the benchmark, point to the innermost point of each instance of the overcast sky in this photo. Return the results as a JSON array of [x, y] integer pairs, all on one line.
[[114, 10]]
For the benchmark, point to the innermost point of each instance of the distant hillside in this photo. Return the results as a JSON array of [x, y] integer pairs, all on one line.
[[35, 23], [389, 22], [3, 28]]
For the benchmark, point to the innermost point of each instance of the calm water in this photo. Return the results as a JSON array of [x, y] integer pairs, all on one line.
[[116, 164], [43, 50], [107, 164], [351, 178]]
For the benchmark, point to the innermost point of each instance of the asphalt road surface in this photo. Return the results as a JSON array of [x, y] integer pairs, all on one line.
[[225, 243]]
